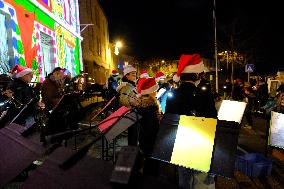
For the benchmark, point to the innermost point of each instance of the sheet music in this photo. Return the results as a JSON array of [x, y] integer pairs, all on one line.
[[231, 111], [276, 137], [194, 142]]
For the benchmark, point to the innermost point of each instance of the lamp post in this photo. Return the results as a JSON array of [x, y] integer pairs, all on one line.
[[215, 46], [118, 45], [226, 52]]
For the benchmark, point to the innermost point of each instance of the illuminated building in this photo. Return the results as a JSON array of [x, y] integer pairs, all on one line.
[[40, 34]]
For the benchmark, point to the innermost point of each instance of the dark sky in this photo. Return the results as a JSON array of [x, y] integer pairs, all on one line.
[[168, 28]]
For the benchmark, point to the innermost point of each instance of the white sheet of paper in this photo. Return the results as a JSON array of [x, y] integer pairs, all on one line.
[[276, 136], [231, 111]]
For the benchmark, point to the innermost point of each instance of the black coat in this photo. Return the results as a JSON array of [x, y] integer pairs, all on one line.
[[22, 91], [26, 95], [191, 100], [150, 111]]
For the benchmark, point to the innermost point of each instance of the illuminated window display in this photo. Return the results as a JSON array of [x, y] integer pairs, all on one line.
[[40, 32]]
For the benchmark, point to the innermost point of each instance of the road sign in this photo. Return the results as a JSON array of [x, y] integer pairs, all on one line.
[[249, 67]]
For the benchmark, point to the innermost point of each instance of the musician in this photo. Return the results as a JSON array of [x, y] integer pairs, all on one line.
[[21, 94], [68, 81], [53, 88]]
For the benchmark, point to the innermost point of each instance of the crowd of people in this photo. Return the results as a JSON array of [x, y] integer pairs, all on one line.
[[256, 94], [187, 93], [153, 97], [26, 99]]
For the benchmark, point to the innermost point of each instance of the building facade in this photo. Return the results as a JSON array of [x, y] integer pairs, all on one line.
[[98, 52], [40, 34]]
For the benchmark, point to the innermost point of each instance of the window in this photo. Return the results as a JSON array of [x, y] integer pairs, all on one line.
[[99, 47], [6, 49], [46, 53]]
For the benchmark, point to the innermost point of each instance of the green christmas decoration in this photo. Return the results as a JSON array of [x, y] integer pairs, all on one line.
[[20, 47], [18, 30], [22, 61], [34, 64]]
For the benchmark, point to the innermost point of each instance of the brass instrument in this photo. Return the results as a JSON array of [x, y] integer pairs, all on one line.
[[16, 103]]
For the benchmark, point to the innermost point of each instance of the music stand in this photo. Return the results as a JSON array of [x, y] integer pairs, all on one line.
[[62, 115], [64, 102], [276, 130], [118, 122], [223, 152], [17, 153]]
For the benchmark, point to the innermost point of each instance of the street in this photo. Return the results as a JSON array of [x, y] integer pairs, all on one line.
[[254, 141]]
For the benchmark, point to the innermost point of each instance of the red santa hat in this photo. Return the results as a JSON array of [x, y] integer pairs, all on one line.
[[127, 69], [20, 71], [189, 64], [114, 72], [147, 86], [144, 74], [160, 76]]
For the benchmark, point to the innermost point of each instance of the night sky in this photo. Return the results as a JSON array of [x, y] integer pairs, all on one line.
[[168, 28]]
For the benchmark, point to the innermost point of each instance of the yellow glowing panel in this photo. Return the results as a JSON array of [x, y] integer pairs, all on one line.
[[194, 142]]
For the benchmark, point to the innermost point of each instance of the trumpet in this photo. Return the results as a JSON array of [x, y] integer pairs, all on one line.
[[11, 99]]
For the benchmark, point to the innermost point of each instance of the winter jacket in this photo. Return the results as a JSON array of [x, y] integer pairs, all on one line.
[[191, 100], [25, 95], [127, 94], [51, 93], [22, 91], [150, 111]]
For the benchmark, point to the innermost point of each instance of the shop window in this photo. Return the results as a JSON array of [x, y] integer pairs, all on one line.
[[70, 65]]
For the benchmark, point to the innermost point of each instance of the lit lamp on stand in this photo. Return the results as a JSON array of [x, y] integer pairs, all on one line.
[[118, 45]]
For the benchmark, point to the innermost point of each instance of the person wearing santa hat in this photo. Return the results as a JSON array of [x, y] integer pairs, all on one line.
[[22, 76], [144, 74], [164, 87], [21, 93], [53, 88], [190, 100], [160, 78], [150, 110]]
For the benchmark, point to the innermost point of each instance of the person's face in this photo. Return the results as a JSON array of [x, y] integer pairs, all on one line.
[[58, 75], [131, 76], [154, 94], [162, 81], [28, 77]]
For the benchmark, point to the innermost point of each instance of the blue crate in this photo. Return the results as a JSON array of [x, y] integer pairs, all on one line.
[[254, 165]]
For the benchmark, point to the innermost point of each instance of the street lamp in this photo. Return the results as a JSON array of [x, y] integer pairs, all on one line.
[[118, 45]]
